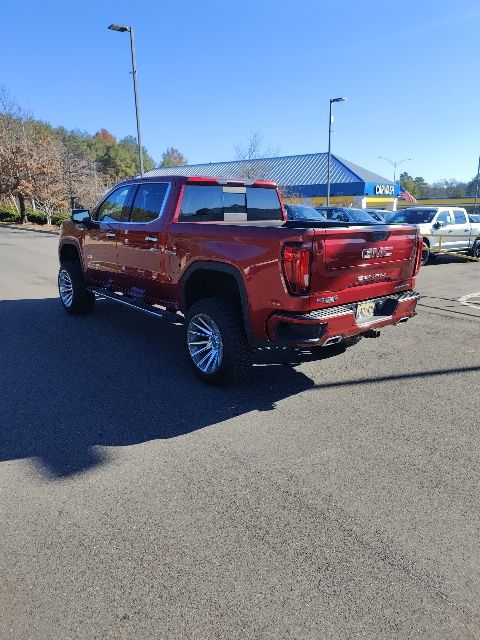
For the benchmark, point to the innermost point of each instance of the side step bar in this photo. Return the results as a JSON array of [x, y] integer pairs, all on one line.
[[164, 314]]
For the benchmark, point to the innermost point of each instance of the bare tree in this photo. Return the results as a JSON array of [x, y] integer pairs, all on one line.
[[252, 149], [84, 182], [16, 151], [50, 189]]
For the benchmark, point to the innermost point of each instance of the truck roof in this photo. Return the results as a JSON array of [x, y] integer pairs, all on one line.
[[202, 180]]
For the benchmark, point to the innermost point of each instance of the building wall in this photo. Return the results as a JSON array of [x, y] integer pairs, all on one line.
[[359, 202]]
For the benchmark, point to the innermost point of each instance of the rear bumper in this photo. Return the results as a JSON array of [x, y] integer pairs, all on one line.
[[326, 326]]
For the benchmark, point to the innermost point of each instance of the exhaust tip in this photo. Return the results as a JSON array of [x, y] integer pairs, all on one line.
[[332, 340]]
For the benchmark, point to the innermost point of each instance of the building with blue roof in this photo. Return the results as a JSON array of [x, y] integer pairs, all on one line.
[[303, 178]]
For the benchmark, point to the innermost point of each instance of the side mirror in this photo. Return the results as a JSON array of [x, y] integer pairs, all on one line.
[[439, 224], [81, 216]]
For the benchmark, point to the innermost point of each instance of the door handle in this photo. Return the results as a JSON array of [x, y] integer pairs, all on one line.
[[110, 235], [151, 239]]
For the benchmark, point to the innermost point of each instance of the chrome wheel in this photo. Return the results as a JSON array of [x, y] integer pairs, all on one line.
[[65, 288], [205, 343]]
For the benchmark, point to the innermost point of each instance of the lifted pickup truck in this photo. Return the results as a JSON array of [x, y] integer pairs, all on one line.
[[444, 229], [220, 256]]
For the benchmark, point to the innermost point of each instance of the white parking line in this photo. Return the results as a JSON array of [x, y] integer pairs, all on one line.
[[471, 300]]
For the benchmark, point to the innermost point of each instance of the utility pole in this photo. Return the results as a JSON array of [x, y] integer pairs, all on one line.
[[329, 160], [394, 164], [121, 28]]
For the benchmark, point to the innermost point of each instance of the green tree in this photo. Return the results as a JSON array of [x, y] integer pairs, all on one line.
[[421, 186], [172, 157], [120, 160], [106, 136], [416, 186], [407, 183], [471, 187]]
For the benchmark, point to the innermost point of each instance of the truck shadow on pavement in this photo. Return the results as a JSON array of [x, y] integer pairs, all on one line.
[[114, 378], [446, 258], [118, 377]]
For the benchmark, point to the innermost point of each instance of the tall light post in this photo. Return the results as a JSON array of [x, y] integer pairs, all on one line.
[[332, 100], [394, 164], [121, 28]]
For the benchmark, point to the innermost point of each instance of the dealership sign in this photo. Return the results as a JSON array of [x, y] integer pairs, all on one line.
[[384, 189]]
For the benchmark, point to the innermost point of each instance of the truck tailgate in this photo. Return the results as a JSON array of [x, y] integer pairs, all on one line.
[[360, 256]]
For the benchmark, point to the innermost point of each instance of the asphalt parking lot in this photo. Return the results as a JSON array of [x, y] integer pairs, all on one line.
[[330, 499]]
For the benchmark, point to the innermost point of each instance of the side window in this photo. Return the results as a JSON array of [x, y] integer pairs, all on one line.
[[201, 204], [459, 216], [339, 215], [116, 207], [148, 202], [443, 216]]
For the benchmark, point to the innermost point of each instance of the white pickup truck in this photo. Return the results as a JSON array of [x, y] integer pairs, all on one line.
[[457, 233]]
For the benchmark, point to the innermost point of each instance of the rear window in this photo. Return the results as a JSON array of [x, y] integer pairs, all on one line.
[[263, 204], [205, 203], [350, 215]]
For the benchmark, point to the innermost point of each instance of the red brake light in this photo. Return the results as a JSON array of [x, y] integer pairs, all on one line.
[[297, 261]]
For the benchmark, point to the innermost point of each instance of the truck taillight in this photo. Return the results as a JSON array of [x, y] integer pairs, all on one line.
[[297, 260]]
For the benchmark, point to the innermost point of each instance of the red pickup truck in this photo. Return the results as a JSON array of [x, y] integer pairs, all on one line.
[[220, 255]]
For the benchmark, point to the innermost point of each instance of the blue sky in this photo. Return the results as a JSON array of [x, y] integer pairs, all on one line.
[[210, 73]]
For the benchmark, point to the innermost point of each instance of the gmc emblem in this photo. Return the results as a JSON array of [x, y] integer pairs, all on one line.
[[377, 252]]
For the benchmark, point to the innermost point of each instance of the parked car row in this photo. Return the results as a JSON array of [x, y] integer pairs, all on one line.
[[339, 214], [435, 224]]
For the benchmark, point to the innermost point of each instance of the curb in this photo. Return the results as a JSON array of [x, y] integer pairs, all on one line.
[[21, 227]]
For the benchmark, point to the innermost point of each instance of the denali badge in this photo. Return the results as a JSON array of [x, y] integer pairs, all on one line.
[[377, 252], [372, 276]]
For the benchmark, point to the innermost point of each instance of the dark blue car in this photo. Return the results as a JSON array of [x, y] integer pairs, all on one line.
[[302, 212], [347, 214]]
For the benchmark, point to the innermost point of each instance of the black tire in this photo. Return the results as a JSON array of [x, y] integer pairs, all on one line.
[[226, 343], [426, 255], [476, 249], [74, 296]]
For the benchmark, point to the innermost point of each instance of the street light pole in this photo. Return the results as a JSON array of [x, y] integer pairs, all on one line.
[[329, 155], [394, 164], [121, 28]]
